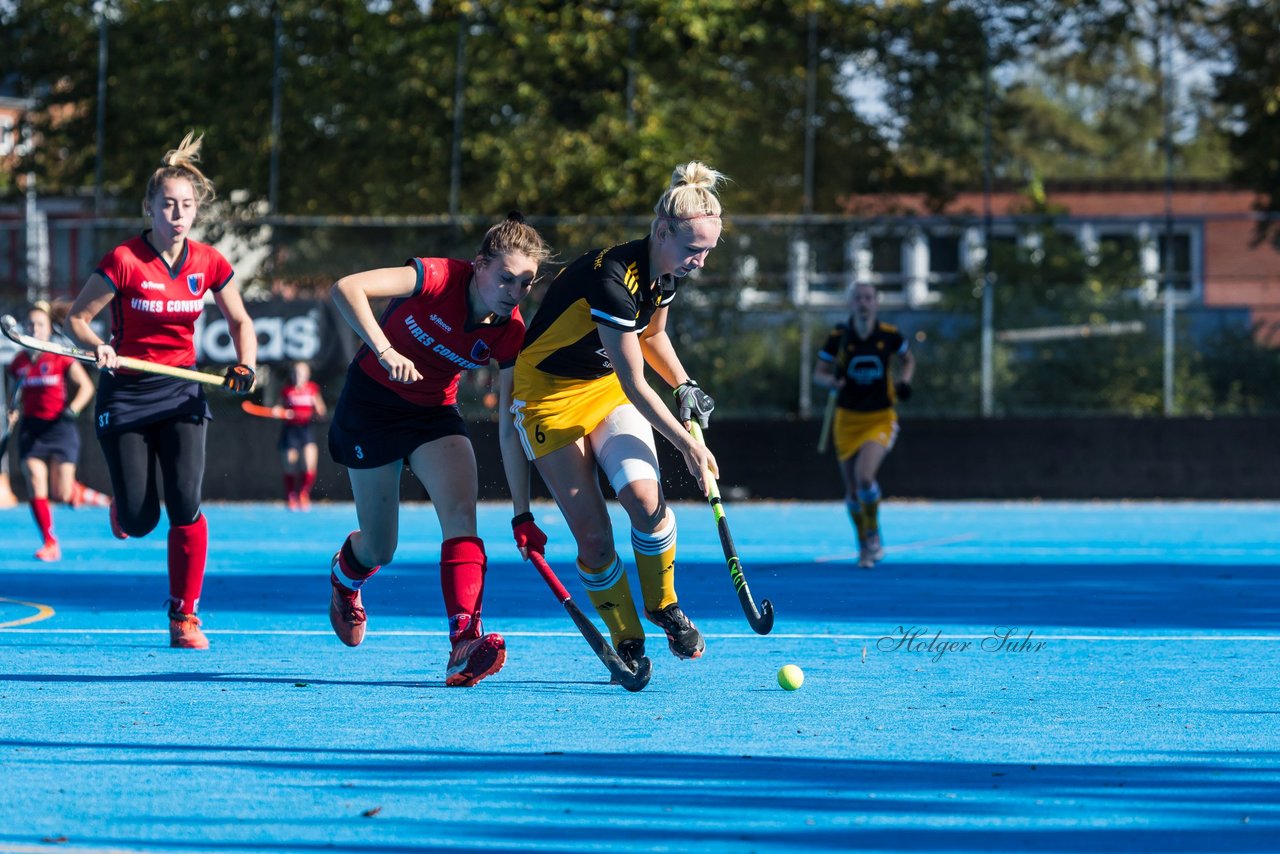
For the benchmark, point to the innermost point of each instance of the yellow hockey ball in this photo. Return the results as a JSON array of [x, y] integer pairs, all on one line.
[[790, 677]]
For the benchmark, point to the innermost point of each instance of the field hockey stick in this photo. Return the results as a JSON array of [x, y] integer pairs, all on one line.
[[8, 431], [14, 333], [279, 413], [761, 620], [828, 416], [632, 680]]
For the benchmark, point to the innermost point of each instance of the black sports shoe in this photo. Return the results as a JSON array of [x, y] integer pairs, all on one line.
[[682, 636], [631, 651]]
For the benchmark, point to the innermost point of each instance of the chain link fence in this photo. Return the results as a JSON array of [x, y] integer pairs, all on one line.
[[1116, 324]]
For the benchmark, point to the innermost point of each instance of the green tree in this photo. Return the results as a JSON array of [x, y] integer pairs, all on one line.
[[1248, 90]]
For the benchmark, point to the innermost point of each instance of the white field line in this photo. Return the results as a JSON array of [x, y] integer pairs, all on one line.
[[1086, 638]]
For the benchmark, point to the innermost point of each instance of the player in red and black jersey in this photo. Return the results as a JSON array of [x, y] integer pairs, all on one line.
[[399, 405], [857, 361], [582, 402], [48, 442], [155, 285], [303, 402]]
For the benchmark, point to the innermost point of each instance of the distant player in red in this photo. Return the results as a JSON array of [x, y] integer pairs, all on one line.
[[299, 453], [48, 442], [399, 405], [150, 424]]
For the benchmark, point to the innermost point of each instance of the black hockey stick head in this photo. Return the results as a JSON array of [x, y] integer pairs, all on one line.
[[761, 621], [632, 680]]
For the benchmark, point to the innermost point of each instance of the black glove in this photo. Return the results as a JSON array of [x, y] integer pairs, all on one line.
[[903, 390], [693, 401], [69, 414], [239, 379]]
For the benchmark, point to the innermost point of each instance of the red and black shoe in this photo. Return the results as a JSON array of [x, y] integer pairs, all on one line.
[[116, 530], [346, 610], [475, 655], [184, 631]]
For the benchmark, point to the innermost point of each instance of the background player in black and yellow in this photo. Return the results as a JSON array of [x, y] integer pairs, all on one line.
[[582, 401], [857, 361]]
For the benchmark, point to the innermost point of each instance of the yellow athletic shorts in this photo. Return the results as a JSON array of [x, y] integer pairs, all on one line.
[[564, 411], [852, 430]]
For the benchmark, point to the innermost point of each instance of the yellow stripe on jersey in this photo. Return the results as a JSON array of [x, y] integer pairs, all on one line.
[[631, 278], [570, 327]]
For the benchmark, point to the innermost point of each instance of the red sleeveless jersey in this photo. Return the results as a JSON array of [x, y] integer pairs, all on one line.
[[153, 315], [430, 328], [44, 383], [300, 400]]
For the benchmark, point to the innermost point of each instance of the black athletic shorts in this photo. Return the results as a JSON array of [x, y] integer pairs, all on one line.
[[295, 437], [56, 439], [373, 426], [129, 401]]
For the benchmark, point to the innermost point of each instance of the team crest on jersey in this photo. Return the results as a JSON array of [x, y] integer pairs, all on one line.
[[195, 281], [480, 352]]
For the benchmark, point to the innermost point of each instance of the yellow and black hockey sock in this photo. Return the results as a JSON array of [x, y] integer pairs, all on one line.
[[870, 500], [855, 515], [656, 561], [609, 590]]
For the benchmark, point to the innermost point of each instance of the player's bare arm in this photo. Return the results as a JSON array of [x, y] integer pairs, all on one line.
[[239, 325], [659, 352], [627, 359], [352, 295], [514, 463], [92, 299]]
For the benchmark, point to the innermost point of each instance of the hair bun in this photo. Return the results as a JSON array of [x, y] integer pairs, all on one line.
[[515, 216]]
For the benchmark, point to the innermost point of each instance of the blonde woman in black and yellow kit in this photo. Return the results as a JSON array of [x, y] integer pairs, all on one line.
[[581, 401], [856, 361]]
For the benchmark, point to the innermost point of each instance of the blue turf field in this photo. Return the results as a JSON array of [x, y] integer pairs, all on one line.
[[1134, 705]]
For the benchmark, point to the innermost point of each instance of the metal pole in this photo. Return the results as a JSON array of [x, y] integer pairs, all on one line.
[[459, 90], [633, 24], [810, 108], [806, 206], [277, 92], [100, 156], [987, 354], [1164, 62]]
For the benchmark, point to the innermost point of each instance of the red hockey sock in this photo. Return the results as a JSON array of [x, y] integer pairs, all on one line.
[[351, 573], [308, 481], [290, 485], [188, 549], [44, 517], [462, 564]]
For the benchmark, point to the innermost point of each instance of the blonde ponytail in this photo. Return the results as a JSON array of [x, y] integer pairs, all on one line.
[[691, 195], [181, 162]]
